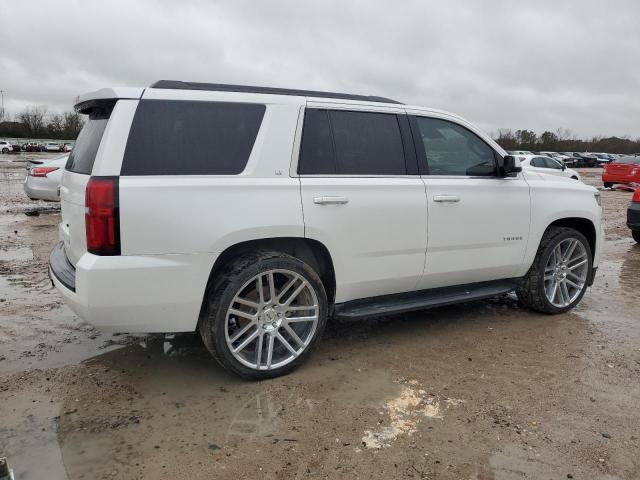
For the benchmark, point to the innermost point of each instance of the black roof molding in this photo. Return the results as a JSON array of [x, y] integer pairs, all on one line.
[[219, 87]]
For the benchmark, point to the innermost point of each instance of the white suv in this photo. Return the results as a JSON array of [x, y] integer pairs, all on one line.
[[254, 214]]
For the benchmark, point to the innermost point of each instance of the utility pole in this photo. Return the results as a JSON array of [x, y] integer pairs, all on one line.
[[1, 105]]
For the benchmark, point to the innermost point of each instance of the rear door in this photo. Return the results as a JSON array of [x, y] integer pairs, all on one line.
[[74, 181], [362, 197]]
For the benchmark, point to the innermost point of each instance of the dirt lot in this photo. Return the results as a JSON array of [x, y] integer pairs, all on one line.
[[483, 390]]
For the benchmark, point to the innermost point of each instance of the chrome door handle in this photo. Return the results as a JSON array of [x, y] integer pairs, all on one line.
[[446, 198], [330, 200]]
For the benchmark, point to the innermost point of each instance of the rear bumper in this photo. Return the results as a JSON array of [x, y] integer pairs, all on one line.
[[612, 178], [633, 216], [135, 294], [41, 189]]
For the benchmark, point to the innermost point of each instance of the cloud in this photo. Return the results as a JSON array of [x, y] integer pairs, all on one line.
[[501, 64]]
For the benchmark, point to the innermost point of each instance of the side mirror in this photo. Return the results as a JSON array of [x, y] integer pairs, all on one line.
[[509, 166], [564, 167]]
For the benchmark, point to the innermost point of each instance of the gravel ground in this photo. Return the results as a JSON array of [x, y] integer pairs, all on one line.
[[484, 390]]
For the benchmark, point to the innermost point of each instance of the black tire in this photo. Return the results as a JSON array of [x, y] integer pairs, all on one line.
[[5, 151], [531, 292], [608, 185], [227, 284], [636, 235]]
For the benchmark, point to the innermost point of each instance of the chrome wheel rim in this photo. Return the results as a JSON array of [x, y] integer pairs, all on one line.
[[272, 319], [566, 272]]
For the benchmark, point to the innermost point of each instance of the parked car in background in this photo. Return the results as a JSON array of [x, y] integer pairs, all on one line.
[[16, 148], [602, 158], [558, 156], [324, 199], [43, 180], [52, 147], [588, 159], [573, 158], [32, 147], [581, 159], [625, 170], [548, 165], [633, 216], [5, 147], [519, 152], [66, 147]]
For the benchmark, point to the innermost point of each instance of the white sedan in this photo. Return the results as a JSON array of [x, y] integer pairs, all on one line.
[[43, 180], [548, 165]]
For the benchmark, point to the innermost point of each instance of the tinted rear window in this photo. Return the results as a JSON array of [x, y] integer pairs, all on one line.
[[351, 143], [86, 147], [317, 155], [191, 138]]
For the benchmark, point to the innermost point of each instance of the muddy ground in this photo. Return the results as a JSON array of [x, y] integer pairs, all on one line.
[[484, 390]]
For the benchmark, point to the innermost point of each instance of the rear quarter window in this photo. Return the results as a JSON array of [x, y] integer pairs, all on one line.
[[175, 137], [86, 147]]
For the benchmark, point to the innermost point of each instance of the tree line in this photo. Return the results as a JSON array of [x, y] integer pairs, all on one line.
[[563, 140], [36, 122]]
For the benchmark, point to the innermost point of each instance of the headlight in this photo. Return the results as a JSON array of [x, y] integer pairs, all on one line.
[[598, 199]]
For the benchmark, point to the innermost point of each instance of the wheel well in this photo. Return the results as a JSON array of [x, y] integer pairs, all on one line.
[[312, 252], [583, 226]]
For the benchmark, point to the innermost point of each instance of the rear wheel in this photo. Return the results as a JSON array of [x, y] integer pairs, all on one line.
[[559, 276], [5, 150], [264, 315], [636, 235]]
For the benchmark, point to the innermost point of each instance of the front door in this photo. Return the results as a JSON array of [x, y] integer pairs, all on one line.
[[478, 222]]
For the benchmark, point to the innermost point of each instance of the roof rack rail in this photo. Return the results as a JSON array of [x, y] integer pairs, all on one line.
[[219, 87]]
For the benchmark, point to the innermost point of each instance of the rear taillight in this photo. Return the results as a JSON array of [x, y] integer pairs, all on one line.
[[102, 216], [41, 171], [636, 196]]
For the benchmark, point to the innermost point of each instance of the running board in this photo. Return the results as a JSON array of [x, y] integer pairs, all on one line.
[[422, 299]]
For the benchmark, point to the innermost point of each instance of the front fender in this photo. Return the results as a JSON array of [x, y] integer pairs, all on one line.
[[553, 200]]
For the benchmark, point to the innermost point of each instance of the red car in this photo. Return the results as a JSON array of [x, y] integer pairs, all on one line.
[[623, 170]]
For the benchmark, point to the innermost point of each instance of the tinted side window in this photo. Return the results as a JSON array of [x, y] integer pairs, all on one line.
[[538, 162], [453, 150], [84, 151], [367, 143], [170, 137], [551, 163], [317, 155]]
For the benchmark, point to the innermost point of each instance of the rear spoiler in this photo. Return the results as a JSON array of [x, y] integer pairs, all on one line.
[[84, 103]]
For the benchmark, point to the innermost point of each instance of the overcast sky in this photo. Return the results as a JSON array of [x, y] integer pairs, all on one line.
[[501, 64]]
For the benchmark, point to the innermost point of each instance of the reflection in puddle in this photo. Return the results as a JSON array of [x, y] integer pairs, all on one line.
[[256, 418]]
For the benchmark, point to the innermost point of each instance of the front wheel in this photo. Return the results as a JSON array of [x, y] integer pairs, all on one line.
[[608, 185], [264, 314], [636, 235], [5, 150], [559, 276]]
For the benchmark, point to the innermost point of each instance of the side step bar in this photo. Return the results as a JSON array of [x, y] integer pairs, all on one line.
[[422, 299]]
